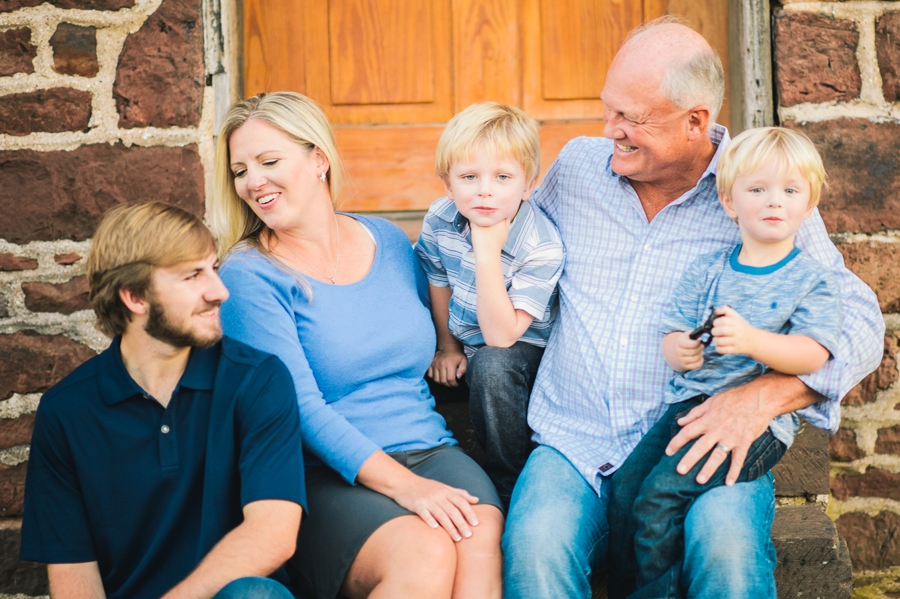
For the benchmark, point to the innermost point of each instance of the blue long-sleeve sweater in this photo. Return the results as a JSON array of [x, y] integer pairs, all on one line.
[[357, 352]]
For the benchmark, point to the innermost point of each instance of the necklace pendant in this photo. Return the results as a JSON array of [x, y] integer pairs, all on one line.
[[333, 282]]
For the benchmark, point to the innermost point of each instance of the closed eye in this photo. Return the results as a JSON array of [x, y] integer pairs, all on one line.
[[270, 162], [238, 173]]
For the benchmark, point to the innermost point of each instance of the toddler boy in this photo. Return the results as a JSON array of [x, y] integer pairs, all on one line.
[[492, 262], [774, 308]]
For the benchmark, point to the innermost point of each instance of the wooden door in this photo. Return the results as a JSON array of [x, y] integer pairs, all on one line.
[[390, 73]]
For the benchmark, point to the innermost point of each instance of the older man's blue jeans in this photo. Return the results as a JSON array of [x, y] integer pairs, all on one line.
[[254, 587], [557, 536]]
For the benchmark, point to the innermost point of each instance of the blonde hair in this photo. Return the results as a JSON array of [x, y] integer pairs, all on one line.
[[299, 118], [506, 130], [694, 79], [129, 243], [753, 149]]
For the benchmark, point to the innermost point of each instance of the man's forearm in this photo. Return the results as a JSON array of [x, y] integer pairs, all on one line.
[[75, 581], [262, 543]]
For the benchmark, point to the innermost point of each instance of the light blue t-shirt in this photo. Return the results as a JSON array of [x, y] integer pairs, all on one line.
[[794, 296], [358, 353]]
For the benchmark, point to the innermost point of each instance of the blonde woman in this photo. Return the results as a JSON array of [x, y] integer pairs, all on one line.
[[395, 508]]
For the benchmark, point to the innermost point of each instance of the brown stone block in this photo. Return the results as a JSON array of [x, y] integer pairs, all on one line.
[[862, 159], [66, 259], [159, 81], [31, 363], [843, 447], [4, 307], [874, 542], [16, 51], [886, 373], [815, 58], [75, 50], [63, 195], [52, 110], [813, 561], [12, 489], [18, 577], [887, 46], [874, 483], [804, 468], [878, 265], [11, 5], [888, 440], [64, 298], [10, 262], [16, 431]]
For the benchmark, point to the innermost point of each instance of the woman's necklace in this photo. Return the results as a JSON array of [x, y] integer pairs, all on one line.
[[337, 259]]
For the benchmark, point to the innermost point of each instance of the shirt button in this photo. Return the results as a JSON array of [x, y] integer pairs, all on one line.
[[623, 341], [165, 429], [647, 247], [634, 298]]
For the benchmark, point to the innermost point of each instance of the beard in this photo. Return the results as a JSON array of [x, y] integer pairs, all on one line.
[[160, 327]]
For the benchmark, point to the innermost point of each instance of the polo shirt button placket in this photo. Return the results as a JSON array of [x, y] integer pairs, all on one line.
[[165, 429]]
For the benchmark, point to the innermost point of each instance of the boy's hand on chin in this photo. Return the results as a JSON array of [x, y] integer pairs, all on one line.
[[488, 241]]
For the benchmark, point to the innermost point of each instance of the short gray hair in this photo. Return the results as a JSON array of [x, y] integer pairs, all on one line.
[[695, 80]]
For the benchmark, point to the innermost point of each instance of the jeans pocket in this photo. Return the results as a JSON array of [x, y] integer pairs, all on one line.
[[763, 455]]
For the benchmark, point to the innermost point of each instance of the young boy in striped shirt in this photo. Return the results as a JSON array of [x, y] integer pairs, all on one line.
[[492, 262]]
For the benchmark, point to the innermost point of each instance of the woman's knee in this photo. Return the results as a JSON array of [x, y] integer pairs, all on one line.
[[404, 553]]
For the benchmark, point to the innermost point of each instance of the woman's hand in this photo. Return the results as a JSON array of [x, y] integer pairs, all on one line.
[[434, 502], [448, 366]]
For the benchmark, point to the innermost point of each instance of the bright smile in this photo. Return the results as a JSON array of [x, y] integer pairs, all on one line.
[[266, 199], [626, 149]]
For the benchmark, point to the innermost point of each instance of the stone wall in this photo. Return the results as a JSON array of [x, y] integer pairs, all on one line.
[[837, 78], [102, 102]]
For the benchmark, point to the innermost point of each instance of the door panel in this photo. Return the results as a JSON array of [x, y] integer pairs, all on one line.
[[390, 73]]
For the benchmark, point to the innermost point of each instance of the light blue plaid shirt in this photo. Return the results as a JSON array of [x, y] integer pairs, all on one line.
[[532, 259], [603, 377]]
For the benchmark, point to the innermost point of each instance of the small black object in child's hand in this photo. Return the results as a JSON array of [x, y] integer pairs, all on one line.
[[704, 331]]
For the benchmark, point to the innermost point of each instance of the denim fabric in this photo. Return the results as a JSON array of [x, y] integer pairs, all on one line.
[[556, 531], [649, 503], [254, 587], [500, 381], [728, 550]]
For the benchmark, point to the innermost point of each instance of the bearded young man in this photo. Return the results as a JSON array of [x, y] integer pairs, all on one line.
[[169, 465]]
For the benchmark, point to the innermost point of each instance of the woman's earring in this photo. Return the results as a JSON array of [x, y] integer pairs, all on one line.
[[322, 176]]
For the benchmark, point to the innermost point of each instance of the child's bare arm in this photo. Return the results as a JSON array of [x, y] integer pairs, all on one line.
[[681, 352], [789, 354], [449, 363], [501, 323]]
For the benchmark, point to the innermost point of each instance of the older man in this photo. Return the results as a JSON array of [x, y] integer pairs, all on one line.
[[634, 210]]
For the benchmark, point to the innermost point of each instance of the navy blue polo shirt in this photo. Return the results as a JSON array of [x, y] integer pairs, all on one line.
[[147, 491]]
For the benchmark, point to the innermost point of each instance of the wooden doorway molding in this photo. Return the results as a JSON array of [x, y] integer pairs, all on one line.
[[390, 73], [750, 49]]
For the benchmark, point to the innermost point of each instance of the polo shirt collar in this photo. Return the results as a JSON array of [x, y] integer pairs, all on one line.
[[116, 385]]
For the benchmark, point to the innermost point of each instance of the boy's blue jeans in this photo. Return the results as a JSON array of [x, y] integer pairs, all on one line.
[[650, 500], [500, 380]]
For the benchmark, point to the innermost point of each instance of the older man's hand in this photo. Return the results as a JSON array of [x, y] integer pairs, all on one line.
[[734, 419]]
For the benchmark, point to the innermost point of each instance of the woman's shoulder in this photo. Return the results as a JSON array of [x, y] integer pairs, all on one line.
[[245, 262], [382, 227]]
